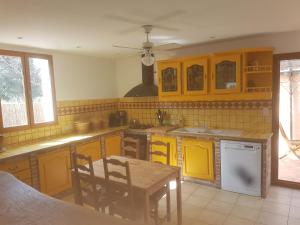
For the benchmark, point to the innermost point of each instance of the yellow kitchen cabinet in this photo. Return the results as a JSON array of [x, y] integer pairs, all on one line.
[[173, 149], [19, 167], [169, 78], [54, 171], [226, 73], [112, 144], [198, 159], [194, 76], [90, 148]]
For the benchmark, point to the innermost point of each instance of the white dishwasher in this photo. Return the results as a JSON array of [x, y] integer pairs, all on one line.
[[241, 167]]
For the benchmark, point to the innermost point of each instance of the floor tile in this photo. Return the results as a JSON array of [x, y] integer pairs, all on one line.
[[226, 196], [252, 202], [295, 212], [232, 220], [220, 207], [245, 212], [293, 221], [267, 218], [198, 201], [280, 191], [279, 198], [278, 208], [208, 192], [211, 217], [188, 187], [295, 201]]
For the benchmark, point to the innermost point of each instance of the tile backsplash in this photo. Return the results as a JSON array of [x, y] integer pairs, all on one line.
[[247, 115]]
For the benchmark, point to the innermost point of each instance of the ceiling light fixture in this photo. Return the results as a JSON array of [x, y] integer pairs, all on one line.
[[148, 58], [20, 38]]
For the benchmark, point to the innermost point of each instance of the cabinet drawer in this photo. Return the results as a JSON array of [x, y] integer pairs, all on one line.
[[13, 166], [23, 175]]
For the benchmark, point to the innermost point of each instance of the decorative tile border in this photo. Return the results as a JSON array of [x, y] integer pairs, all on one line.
[[197, 105], [70, 110]]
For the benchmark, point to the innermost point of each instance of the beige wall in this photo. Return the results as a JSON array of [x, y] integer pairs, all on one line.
[[281, 42], [79, 77]]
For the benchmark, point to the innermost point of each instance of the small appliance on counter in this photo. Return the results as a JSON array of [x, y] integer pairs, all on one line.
[[161, 115], [118, 118]]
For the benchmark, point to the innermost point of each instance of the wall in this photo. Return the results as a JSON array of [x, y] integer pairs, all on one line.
[[79, 77], [281, 42]]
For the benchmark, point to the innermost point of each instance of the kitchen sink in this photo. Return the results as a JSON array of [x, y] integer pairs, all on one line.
[[202, 130]]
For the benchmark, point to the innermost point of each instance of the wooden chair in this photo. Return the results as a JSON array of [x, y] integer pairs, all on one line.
[[131, 147], [88, 190], [156, 197], [294, 145], [121, 199]]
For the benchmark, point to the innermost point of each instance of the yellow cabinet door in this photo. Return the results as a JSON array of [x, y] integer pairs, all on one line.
[[173, 149], [198, 160], [226, 74], [195, 76], [92, 148], [54, 171], [169, 78], [112, 144]]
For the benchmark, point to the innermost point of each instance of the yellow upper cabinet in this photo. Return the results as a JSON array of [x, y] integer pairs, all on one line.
[[226, 73], [173, 149], [198, 159], [195, 76], [112, 144], [169, 78]]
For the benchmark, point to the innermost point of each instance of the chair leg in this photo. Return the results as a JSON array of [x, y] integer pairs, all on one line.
[[168, 199]]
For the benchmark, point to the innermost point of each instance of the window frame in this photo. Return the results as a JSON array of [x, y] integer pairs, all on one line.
[[27, 90]]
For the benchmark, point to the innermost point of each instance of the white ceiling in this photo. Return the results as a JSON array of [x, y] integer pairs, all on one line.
[[96, 25]]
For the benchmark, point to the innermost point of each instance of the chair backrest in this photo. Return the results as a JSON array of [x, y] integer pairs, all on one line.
[[131, 146], [118, 180], [156, 148], [84, 176]]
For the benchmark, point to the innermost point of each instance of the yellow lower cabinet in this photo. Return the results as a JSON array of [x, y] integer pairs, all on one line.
[[91, 148], [20, 168], [198, 159], [112, 144], [173, 149], [54, 170]]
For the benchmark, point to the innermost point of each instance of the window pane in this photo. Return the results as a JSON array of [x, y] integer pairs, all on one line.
[[12, 94], [42, 100]]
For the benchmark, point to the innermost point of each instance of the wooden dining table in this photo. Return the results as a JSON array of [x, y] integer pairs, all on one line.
[[147, 178]]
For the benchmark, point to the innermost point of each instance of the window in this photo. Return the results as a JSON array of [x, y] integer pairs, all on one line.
[[26, 90]]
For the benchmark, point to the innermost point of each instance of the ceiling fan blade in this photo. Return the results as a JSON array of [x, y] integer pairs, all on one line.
[[120, 46], [169, 15], [124, 19], [165, 28], [167, 46]]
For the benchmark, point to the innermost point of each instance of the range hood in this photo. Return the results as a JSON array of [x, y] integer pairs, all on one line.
[[147, 88]]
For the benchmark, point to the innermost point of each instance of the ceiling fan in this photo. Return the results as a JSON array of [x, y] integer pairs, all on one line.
[[147, 48]]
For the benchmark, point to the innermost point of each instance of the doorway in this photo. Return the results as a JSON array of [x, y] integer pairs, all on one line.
[[286, 120]]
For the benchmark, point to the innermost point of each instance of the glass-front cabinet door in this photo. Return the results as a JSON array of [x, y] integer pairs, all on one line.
[[195, 76], [226, 74], [169, 78]]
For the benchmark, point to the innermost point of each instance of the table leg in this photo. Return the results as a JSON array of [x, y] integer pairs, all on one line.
[[75, 189], [179, 202], [146, 208], [168, 203]]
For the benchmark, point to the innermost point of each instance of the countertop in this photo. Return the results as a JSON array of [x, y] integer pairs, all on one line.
[[13, 151], [243, 135]]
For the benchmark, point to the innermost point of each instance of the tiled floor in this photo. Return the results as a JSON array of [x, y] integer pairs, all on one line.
[[203, 205]]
